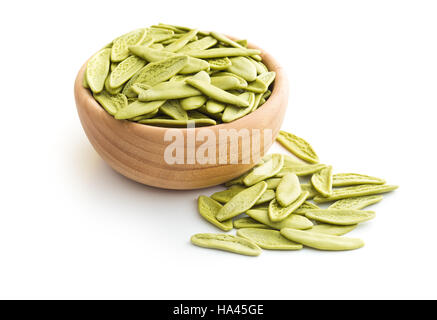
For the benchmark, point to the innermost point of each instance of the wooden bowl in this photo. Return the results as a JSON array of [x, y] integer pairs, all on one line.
[[137, 151]]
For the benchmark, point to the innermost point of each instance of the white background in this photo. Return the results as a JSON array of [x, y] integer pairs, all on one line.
[[363, 78]]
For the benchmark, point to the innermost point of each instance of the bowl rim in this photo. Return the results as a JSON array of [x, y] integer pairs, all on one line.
[[280, 85]]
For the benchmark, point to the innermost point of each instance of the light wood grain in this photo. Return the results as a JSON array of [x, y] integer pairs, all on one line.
[[137, 151]]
